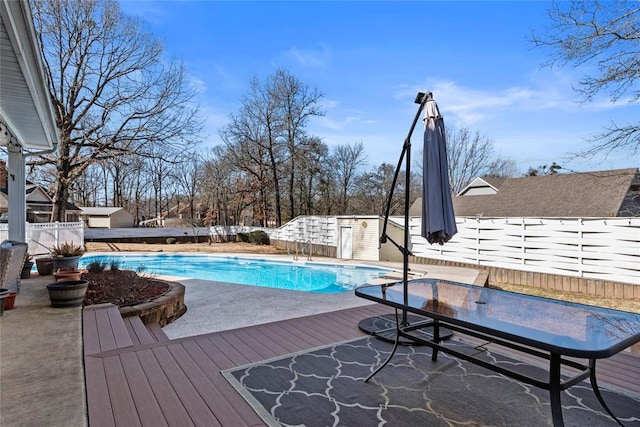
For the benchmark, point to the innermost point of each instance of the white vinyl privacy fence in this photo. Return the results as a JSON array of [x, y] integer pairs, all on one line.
[[318, 230], [594, 248], [42, 237]]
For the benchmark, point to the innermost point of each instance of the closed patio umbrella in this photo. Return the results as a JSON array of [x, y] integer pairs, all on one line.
[[438, 218]]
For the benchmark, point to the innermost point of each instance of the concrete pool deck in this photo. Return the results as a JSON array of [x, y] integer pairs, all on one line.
[[41, 364], [217, 306]]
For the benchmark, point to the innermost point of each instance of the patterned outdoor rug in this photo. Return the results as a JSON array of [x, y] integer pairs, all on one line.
[[325, 387]]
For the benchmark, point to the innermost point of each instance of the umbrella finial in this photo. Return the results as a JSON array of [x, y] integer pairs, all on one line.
[[423, 97]]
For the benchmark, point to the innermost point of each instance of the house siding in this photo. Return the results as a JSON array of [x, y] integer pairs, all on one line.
[[121, 219]]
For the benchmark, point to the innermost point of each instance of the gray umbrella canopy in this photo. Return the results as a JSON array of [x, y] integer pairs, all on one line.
[[438, 218]]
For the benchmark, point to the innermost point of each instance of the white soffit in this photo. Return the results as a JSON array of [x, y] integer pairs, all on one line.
[[25, 107]]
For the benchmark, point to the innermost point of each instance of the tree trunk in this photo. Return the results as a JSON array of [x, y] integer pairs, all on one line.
[[61, 193]]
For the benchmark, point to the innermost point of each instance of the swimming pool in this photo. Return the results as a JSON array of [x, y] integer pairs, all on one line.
[[300, 276]]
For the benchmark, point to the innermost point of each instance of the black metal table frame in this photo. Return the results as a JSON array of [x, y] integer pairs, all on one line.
[[555, 384]]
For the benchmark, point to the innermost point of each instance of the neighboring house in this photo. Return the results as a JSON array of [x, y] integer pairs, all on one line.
[[106, 217], [39, 204], [613, 193]]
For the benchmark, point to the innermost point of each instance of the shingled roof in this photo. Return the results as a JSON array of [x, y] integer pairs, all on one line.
[[610, 193]]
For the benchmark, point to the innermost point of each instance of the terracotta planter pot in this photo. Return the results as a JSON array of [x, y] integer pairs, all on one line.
[[69, 293], [67, 274], [10, 301]]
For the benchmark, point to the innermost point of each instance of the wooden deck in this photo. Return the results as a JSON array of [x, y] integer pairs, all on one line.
[[136, 376]]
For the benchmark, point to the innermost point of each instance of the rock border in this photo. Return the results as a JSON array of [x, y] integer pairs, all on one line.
[[163, 309]]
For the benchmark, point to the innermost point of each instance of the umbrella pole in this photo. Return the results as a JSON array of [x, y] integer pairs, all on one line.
[[421, 99]]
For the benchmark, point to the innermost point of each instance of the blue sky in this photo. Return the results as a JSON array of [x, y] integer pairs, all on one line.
[[371, 58]]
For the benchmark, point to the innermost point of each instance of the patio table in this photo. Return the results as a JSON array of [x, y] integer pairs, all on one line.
[[557, 332]]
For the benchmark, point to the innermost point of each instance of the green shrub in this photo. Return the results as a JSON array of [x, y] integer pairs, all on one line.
[[243, 237], [259, 237], [171, 241]]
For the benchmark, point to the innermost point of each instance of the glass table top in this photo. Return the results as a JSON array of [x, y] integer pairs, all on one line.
[[569, 328]]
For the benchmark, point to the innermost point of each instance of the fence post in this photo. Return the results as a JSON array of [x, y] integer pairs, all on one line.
[[580, 247], [522, 242], [56, 233], [477, 240]]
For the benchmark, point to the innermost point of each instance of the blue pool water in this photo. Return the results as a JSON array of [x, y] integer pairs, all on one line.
[[299, 276]]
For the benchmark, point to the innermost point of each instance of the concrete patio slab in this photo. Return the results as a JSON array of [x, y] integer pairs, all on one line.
[[41, 371]]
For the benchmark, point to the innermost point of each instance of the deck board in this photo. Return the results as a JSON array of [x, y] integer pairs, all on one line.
[[147, 406], [91, 341], [124, 409], [98, 399], [174, 411], [158, 334], [229, 415], [183, 378], [180, 380], [138, 332]]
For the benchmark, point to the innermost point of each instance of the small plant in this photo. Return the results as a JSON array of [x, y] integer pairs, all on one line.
[[171, 241], [115, 265], [97, 266], [67, 249]]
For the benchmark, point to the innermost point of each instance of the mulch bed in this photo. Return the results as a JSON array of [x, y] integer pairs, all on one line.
[[121, 287]]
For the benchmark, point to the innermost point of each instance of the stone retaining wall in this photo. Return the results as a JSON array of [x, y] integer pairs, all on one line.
[[161, 310]]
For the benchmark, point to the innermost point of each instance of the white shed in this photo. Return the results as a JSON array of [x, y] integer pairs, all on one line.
[[106, 217], [359, 237]]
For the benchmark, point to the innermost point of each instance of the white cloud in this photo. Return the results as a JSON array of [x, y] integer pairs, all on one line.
[[198, 84], [328, 122], [310, 57]]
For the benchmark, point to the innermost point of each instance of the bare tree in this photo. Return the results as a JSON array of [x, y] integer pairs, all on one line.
[[296, 103], [269, 130], [502, 168], [188, 173], [311, 167], [345, 162], [470, 155], [112, 89], [229, 191], [604, 34], [373, 191], [87, 187], [250, 145]]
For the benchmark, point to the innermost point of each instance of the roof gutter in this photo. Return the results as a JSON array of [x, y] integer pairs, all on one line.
[[43, 152]]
